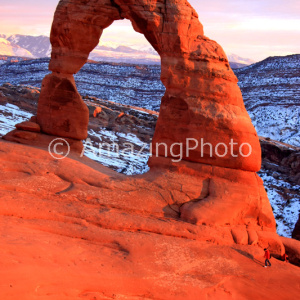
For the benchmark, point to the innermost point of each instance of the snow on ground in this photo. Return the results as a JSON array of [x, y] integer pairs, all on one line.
[[124, 153], [289, 117], [270, 90], [9, 116], [286, 212]]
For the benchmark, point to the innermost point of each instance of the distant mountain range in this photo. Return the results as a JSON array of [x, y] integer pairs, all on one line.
[[10, 49], [240, 60], [40, 47]]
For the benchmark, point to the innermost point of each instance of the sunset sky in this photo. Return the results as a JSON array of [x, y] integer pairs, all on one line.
[[250, 28]]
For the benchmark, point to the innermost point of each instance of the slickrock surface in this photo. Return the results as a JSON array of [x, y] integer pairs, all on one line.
[[29, 126], [69, 231]]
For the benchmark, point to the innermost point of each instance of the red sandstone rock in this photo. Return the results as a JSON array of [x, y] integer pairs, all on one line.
[[292, 248], [252, 237], [33, 119], [45, 141], [122, 114], [203, 103], [61, 111], [202, 100], [75, 230], [3, 99], [152, 227], [220, 196], [97, 111], [240, 236], [23, 135], [272, 241], [29, 126]]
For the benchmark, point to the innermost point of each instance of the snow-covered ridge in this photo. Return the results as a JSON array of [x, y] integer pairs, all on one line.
[[123, 83], [271, 94]]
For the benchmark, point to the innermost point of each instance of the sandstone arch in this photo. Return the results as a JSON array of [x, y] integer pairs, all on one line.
[[202, 99]]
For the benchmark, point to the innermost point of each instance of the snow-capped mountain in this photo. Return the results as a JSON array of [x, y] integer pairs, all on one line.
[[113, 52], [129, 47], [237, 62], [38, 46], [241, 60], [11, 49]]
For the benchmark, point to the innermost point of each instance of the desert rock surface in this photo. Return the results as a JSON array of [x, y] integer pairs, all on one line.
[[69, 231]]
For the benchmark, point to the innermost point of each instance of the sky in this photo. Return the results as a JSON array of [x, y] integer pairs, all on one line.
[[253, 29]]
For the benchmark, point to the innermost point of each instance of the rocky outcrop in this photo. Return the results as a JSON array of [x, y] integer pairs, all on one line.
[[292, 248], [61, 110], [71, 229], [282, 159], [215, 185], [29, 126], [137, 126], [281, 174]]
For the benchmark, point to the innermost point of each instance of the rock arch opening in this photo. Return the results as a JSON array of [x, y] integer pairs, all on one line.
[[123, 91], [126, 69], [122, 44]]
